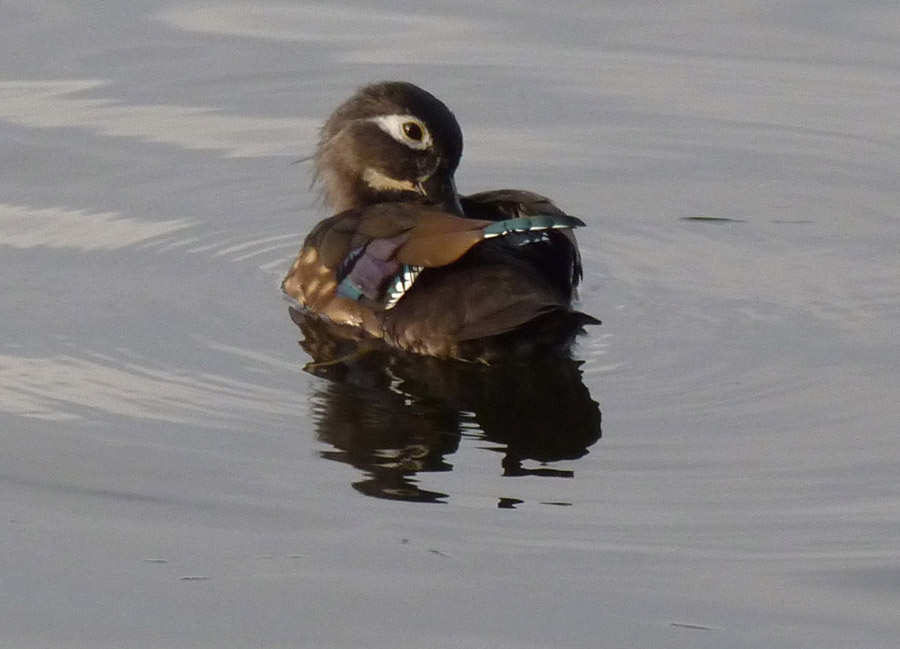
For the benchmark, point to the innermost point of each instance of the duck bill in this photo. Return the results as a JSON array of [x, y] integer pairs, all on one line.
[[440, 189]]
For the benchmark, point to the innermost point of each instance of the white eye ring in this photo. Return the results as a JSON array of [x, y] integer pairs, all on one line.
[[394, 125]]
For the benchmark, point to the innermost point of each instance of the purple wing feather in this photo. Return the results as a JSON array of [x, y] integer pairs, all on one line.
[[366, 270]]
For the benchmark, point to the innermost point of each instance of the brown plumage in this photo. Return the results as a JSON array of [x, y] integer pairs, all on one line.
[[409, 262]]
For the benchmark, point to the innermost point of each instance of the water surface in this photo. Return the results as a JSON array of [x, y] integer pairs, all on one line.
[[172, 476]]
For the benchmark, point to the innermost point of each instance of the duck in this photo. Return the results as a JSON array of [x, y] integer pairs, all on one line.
[[406, 261]]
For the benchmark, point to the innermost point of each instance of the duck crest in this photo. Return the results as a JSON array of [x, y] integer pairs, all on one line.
[[408, 261]]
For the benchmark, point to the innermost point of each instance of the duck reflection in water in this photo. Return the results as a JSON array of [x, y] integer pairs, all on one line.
[[393, 414]]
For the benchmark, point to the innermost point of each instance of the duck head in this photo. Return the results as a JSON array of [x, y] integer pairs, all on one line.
[[390, 141]]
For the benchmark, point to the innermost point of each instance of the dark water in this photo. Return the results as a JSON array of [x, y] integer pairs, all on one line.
[[172, 477]]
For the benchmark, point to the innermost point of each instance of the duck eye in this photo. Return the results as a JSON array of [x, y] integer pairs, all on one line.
[[408, 130], [413, 131]]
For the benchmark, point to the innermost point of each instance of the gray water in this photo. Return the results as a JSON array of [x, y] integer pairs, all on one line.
[[172, 477]]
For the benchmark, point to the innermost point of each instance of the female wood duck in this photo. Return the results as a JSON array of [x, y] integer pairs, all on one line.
[[408, 261]]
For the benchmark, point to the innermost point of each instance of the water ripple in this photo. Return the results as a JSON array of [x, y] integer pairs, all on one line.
[[60, 104], [57, 227], [66, 387]]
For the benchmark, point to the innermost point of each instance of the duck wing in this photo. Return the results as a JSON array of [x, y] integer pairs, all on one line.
[[556, 255], [376, 253]]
